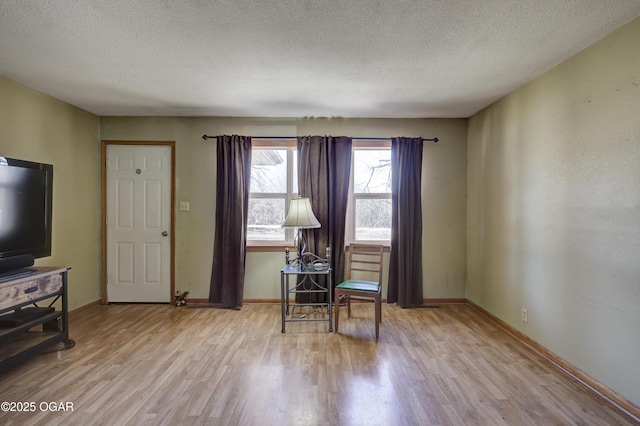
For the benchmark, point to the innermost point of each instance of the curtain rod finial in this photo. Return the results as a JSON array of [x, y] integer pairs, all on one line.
[[205, 137]]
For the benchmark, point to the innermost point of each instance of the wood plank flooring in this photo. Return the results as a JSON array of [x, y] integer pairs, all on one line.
[[157, 364]]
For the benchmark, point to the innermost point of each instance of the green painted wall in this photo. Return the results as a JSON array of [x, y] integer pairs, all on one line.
[[554, 210], [37, 127]]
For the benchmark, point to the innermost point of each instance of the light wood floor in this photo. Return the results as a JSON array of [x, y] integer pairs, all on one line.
[[156, 364]]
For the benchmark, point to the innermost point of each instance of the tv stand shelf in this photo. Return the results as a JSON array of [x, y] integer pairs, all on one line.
[[25, 330]]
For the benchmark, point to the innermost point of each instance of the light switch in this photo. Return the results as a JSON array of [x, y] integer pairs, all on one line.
[[184, 206]]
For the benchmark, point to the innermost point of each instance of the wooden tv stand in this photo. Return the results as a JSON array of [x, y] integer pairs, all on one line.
[[27, 328]]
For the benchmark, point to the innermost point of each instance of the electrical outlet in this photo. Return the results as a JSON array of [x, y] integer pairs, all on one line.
[[184, 206], [525, 315]]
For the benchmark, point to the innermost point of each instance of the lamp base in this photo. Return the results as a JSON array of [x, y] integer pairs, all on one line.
[[305, 259], [300, 242]]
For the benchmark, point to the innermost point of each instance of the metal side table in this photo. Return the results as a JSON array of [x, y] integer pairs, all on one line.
[[310, 267]]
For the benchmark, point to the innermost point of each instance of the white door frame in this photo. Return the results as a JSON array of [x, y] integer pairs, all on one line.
[[105, 144]]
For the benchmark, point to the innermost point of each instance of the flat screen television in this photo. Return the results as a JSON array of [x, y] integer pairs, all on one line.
[[26, 190]]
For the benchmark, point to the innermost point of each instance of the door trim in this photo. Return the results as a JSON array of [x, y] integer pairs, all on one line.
[[172, 227]]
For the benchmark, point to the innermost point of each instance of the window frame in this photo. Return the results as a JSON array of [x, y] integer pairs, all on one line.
[[350, 231], [291, 145]]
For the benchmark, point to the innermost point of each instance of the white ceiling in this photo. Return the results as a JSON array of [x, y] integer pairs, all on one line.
[[293, 58]]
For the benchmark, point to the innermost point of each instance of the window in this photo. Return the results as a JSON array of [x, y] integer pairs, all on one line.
[[274, 172], [370, 201], [273, 184]]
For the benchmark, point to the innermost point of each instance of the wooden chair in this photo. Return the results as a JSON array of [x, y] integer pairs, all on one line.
[[365, 260]]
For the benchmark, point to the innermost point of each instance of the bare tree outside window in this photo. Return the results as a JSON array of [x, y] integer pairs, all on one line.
[[269, 194], [268, 171]]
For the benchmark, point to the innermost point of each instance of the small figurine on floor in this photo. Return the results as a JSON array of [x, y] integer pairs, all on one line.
[[180, 298]]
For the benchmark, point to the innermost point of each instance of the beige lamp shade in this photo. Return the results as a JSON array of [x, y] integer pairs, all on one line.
[[300, 215]]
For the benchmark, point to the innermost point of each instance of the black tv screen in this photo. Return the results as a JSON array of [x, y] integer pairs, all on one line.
[[26, 189]]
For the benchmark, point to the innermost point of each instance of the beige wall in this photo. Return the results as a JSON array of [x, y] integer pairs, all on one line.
[[37, 127], [444, 192], [554, 210]]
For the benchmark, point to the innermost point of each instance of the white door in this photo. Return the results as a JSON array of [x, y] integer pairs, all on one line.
[[138, 223]]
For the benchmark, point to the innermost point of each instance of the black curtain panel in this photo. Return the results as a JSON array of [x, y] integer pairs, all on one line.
[[324, 164], [405, 261], [233, 171]]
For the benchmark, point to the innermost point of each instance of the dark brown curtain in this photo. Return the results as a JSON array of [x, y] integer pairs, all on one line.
[[233, 171], [405, 262], [324, 164]]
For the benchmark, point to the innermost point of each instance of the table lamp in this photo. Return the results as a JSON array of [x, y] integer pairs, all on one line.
[[300, 216]]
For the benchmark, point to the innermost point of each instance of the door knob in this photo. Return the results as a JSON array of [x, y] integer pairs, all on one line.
[[165, 233]]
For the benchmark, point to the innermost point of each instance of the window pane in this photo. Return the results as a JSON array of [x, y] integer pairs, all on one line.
[[269, 171], [265, 218], [373, 219], [372, 171]]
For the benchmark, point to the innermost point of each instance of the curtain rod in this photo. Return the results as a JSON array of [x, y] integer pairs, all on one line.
[[434, 140]]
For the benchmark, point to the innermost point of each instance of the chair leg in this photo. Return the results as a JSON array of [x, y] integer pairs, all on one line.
[[378, 316], [336, 308], [377, 301]]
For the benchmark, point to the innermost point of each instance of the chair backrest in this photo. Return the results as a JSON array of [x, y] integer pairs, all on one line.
[[365, 262]]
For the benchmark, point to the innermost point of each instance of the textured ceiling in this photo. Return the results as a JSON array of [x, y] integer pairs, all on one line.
[[293, 58]]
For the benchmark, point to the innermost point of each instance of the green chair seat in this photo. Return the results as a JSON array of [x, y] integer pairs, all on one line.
[[359, 285]]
